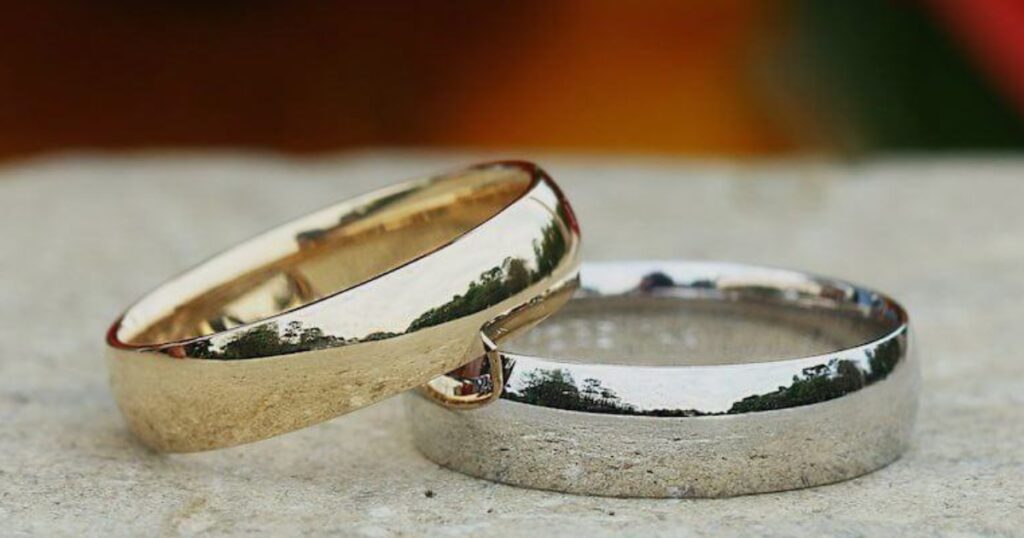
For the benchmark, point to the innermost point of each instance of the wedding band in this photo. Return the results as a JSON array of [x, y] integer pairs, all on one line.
[[674, 379], [344, 307]]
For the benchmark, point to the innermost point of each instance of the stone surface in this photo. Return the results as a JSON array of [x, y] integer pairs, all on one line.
[[81, 236]]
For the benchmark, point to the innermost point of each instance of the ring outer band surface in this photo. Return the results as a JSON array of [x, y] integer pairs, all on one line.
[[713, 430], [342, 350]]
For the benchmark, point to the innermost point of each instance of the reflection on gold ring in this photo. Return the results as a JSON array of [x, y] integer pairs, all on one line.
[[344, 307]]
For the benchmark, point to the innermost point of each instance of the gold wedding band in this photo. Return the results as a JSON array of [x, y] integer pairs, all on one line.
[[344, 307]]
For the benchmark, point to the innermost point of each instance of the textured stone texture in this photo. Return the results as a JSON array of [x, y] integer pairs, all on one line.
[[81, 236]]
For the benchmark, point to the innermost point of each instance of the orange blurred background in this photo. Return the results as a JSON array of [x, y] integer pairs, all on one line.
[[731, 77]]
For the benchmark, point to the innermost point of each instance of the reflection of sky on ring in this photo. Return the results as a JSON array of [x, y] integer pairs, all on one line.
[[710, 389], [432, 275]]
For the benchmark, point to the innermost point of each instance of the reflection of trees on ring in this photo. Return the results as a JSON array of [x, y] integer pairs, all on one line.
[[826, 381], [883, 359], [556, 388], [819, 383], [492, 287], [500, 283], [266, 340]]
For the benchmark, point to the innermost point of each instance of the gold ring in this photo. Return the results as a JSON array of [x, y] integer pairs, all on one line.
[[344, 307]]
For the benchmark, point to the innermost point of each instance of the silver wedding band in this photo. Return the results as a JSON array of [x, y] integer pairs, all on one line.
[[680, 379]]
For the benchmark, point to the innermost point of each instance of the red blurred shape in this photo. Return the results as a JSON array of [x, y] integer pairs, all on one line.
[[993, 30]]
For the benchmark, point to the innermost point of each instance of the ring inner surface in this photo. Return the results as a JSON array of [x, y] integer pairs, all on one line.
[[334, 252], [667, 330]]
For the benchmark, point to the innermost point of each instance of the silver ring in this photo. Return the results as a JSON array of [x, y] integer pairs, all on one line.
[[679, 379]]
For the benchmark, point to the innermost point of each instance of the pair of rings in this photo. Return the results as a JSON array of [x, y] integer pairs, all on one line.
[[658, 379]]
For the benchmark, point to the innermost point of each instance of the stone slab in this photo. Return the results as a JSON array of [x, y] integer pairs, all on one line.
[[83, 235]]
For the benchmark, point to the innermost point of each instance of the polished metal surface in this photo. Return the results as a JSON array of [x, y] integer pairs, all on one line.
[[344, 307], [688, 379]]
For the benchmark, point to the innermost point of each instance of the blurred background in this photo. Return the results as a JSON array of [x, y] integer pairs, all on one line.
[[730, 77]]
